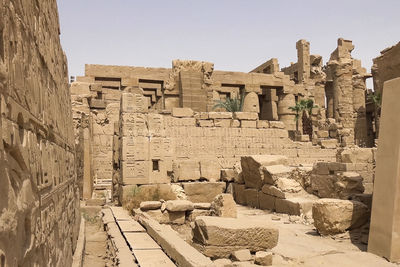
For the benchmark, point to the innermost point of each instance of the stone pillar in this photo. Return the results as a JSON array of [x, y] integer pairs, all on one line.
[[285, 114], [329, 99], [303, 60], [384, 234], [251, 103], [87, 165]]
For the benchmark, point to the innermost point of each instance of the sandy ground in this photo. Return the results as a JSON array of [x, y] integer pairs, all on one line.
[[300, 245]]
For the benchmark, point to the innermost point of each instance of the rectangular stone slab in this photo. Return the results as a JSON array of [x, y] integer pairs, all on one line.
[[130, 226], [384, 234], [121, 214], [140, 241], [152, 258], [255, 235]]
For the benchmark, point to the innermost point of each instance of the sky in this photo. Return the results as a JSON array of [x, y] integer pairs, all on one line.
[[236, 35]]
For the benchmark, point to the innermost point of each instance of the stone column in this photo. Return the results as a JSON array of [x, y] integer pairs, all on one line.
[[285, 114], [251, 103], [303, 60], [329, 99], [87, 160], [384, 234]]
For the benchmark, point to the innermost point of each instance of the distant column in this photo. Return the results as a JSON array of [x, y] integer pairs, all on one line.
[[384, 234]]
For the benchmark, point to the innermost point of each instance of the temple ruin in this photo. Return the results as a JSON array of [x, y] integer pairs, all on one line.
[[138, 166]]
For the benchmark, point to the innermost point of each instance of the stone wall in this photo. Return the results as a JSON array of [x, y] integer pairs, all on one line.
[[39, 196], [386, 66], [187, 146]]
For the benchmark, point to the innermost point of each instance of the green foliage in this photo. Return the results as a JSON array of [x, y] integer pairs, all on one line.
[[303, 107], [376, 98], [230, 104], [136, 195]]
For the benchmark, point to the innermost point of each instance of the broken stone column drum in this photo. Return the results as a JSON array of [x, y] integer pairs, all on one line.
[[285, 114]]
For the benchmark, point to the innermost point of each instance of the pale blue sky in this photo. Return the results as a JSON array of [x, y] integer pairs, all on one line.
[[236, 35]]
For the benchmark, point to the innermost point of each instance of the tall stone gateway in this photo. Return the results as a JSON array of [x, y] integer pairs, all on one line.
[[39, 196], [384, 235]]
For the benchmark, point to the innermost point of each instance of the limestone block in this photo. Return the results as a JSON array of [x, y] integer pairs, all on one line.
[[273, 191], [241, 255], [228, 175], [182, 112], [251, 196], [340, 185], [220, 115], [203, 191], [294, 205], [302, 138], [176, 217], [179, 205], [226, 123], [333, 216], [233, 233], [222, 263], [133, 103], [358, 155], [235, 123], [262, 124], [328, 143], [205, 123], [252, 116], [274, 172], [263, 258], [288, 185], [323, 134], [238, 193], [252, 168], [201, 115], [223, 205], [150, 205], [210, 170], [267, 202], [248, 124], [277, 124], [186, 170]]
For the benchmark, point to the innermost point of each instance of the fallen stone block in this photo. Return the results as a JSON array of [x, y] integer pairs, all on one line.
[[218, 237], [238, 193], [251, 196], [274, 172], [266, 202], [202, 206], [273, 191], [179, 205], [263, 258], [252, 168], [228, 175], [288, 185], [203, 191], [192, 215], [294, 205], [222, 263], [334, 216], [223, 205], [150, 205], [241, 255]]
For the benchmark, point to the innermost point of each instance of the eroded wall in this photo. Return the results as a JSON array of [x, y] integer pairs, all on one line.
[[39, 196]]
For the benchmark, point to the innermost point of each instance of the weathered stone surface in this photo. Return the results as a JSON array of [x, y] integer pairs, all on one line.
[[182, 112], [288, 185], [150, 205], [223, 205], [333, 216], [263, 258], [202, 206], [179, 205], [251, 196], [222, 263], [233, 234], [273, 191], [266, 202], [210, 170], [252, 168], [192, 215], [275, 172], [340, 185], [220, 115], [277, 124], [228, 175], [295, 205], [238, 193], [246, 116], [186, 170], [241, 255], [202, 191]]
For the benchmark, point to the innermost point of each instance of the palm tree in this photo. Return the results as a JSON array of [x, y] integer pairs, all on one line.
[[304, 107], [230, 104]]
